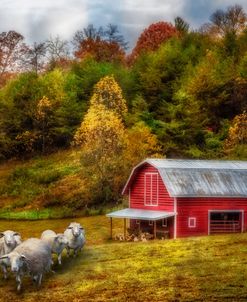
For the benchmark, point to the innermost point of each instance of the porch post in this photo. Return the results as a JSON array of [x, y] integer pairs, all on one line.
[[242, 222], [175, 218], [111, 227], [124, 228], [155, 229]]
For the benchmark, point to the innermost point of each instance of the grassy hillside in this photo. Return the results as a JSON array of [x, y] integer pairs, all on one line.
[[43, 187], [194, 269], [51, 186]]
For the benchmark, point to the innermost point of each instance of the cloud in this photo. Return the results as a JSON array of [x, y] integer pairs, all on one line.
[[39, 19]]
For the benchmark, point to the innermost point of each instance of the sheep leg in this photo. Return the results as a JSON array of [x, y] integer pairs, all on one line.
[[34, 278], [40, 279], [18, 281], [75, 252], [68, 251], [59, 258], [5, 272]]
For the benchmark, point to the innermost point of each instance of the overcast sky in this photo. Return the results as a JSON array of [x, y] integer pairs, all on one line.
[[39, 19]]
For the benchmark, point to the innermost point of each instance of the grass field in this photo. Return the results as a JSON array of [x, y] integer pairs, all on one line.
[[194, 269], [41, 182]]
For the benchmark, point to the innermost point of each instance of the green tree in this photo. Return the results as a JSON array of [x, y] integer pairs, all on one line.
[[181, 25]]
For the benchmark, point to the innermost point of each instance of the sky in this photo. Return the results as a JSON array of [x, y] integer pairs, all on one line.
[[37, 20]]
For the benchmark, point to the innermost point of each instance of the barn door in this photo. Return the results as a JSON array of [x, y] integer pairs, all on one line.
[[151, 189], [225, 222]]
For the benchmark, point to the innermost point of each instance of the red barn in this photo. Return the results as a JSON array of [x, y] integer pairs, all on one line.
[[180, 198]]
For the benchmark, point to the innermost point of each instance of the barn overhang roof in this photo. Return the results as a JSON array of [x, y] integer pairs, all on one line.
[[199, 178], [141, 214]]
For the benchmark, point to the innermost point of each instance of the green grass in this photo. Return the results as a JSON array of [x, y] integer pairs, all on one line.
[[194, 269], [55, 213], [28, 184]]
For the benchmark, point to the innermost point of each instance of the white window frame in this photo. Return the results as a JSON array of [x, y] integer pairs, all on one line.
[[137, 221], [241, 211], [164, 222], [151, 204], [192, 222], [150, 222]]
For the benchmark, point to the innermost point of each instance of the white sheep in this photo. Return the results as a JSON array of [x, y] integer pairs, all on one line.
[[32, 257], [57, 242], [8, 242], [76, 237]]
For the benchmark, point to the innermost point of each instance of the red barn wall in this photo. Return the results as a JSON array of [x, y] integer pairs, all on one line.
[[136, 195], [199, 207]]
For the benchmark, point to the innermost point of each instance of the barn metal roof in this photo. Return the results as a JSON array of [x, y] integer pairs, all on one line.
[[140, 214], [197, 164], [200, 178]]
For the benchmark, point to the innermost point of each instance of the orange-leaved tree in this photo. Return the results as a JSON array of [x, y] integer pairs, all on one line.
[[100, 50], [152, 37]]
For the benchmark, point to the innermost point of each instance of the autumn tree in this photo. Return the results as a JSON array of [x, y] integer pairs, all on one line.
[[103, 44], [152, 37], [35, 57], [237, 135], [108, 93], [107, 146], [89, 32], [43, 115], [231, 21], [57, 51], [107, 98], [110, 34], [228, 25], [140, 143], [102, 137], [100, 50], [12, 50]]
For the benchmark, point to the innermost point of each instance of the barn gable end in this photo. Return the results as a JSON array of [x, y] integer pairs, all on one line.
[[137, 190]]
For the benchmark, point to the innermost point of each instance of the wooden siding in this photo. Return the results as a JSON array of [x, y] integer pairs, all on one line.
[[199, 207], [137, 190]]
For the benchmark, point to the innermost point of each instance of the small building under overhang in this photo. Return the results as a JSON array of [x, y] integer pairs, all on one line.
[[139, 214]]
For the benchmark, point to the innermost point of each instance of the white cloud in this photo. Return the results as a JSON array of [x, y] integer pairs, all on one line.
[[38, 19]]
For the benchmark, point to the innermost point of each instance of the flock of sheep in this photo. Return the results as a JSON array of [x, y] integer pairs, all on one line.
[[34, 256]]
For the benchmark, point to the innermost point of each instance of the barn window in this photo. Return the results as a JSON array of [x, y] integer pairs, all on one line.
[[192, 222], [151, 222], [137, 221], [164, 222], [151, 189]]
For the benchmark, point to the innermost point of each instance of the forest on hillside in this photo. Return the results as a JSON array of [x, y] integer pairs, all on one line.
[[179, 93]]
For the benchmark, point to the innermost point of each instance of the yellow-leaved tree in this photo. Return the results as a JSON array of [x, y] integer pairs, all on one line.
[[109, 150], [108, 93], [101, 134], [102, 138], [140, 143], [43, 117], [236, 141]]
